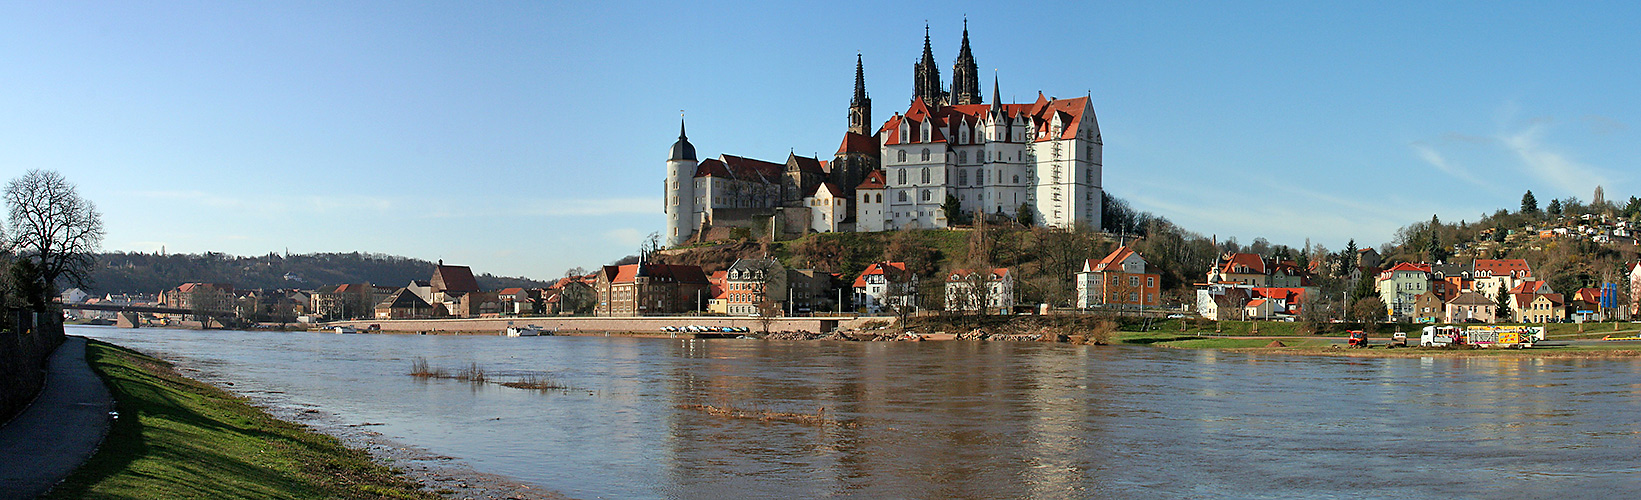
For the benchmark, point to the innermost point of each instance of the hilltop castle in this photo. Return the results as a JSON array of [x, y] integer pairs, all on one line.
[[996, 158]]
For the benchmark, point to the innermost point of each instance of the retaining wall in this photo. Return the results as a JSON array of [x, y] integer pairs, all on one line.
[[646, 324]]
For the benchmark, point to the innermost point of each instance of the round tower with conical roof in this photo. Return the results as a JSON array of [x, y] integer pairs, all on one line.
[[680, 192]]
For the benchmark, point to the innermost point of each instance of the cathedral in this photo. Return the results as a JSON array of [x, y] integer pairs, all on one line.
[[1038, 161]]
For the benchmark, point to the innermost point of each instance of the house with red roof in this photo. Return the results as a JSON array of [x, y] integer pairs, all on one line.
[[828, 209], [646, 289], [1121, 279], [1239, 268], [885, 285], [1400, 287], [980, 291]]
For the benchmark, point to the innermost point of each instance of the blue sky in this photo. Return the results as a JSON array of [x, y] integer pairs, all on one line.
[[526, 138]]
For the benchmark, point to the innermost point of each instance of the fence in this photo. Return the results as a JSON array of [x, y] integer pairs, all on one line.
[[25, 343]]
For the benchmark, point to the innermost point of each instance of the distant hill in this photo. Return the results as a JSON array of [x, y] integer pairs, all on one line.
[[120, 272]]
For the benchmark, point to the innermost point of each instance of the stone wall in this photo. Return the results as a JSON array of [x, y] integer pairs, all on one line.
[[648, 324]]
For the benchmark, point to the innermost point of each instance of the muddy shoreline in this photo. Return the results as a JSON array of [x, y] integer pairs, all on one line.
[[443, 475]]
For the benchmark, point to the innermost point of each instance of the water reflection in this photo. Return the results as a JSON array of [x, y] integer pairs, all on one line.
[[959, 419]]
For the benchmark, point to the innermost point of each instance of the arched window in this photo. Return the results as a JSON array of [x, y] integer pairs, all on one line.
[[902, 156], [902, 196], [926, 194], [962, 177], [980, 176], [880, 198], [866, 198], [1016, 179], [962, 156], [925, 174], [901, 174], [925, 154]]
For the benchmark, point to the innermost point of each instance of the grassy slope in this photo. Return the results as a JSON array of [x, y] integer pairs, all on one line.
[[179, 438]]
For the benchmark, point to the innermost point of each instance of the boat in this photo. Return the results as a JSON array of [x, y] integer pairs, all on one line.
[[344, 329], [522, 331]]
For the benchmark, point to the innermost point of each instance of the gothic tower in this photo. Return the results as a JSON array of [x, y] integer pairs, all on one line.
[[680, 192], [860, 106], [926, 77], [965, 77]]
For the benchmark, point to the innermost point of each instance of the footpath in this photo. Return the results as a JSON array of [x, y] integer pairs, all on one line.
[[60, 430]]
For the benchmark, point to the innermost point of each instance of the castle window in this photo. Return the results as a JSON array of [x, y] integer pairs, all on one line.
[[902, 156], [902, 196], [926, 194], [962, 157], [925, 156], [962, 177], [925, 169], [866, 198], [1016, 179], [901, 174], [980, 176], [880, 198]]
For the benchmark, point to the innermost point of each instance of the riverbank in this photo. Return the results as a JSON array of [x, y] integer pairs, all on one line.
[[1323, 346], [176, 437]]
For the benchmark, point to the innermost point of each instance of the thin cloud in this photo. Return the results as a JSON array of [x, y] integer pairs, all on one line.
[[625, 236], [1548, 165], [1435, 158], [596, 207]]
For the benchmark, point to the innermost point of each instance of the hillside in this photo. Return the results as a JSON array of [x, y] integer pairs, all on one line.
[[120, 272]]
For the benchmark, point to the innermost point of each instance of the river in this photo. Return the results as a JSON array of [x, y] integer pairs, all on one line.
[[960, 419]]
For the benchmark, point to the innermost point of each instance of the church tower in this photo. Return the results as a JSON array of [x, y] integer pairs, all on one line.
[[680, 195], [965, 76], [860, 106], [926, 77]]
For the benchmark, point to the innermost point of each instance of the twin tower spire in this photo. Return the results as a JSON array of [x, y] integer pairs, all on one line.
[[926, 84], [965, 76]]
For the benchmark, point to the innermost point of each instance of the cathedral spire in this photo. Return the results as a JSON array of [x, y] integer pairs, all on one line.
[[860, 82], [860, 106], [996, 95], [965, 76], [926, 76], [682, 150]]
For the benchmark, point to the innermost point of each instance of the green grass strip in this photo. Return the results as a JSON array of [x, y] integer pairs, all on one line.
[[180, 438]]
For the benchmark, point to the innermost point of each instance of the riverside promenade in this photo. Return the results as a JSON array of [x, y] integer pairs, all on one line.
[[60, 430]]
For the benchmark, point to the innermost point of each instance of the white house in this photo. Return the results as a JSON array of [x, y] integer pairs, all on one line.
[[885, 284], [997, 296], [827, 208]]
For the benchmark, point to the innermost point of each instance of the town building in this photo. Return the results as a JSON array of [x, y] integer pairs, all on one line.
[[1400, 286], [1471, 307], [980, 291], [646, 289], [749, 283], [885, 285], [1121, 279], [404, 304], [1239, 268]]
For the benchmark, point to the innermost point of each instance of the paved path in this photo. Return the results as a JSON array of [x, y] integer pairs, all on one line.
[[59, 431]]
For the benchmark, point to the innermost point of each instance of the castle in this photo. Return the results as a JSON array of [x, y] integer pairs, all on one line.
[[999, 159]]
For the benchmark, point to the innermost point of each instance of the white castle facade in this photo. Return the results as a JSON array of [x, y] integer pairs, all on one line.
[[1043, 158]]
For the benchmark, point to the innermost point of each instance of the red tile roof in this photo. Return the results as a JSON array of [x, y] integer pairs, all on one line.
[[510, 291], [807, 164], [454, 279], [680, 273], [858, 143], [829, 187], [1589, 295], [736, 167], [874, 180], [1503, 267], [962, 274], [945, 120], [1231, 264], [1115, 258], [878, 268]]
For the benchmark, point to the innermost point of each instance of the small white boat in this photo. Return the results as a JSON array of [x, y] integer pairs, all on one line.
[[344, 329], [522, 331]]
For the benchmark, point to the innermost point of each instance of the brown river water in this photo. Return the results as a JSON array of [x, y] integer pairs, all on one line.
[[958, 419]]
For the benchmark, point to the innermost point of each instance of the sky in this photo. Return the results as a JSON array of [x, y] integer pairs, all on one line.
[[526, 138]]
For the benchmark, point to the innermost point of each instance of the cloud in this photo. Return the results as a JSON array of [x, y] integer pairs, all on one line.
[[1601, 125], [1550, 166], [1435, 158]]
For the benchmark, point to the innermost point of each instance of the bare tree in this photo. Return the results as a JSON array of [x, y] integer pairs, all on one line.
[[53, 228]]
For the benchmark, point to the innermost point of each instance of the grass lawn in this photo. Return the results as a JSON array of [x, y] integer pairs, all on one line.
[[180, 438]]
